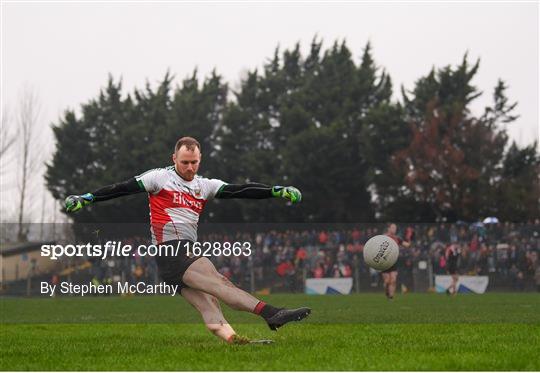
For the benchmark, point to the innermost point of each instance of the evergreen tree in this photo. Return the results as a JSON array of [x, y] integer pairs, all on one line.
[[454, 159], [320, 122], [518, 194], [300, 108]]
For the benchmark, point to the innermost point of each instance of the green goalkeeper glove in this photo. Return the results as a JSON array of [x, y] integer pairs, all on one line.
[[289, 193], [75, 203]]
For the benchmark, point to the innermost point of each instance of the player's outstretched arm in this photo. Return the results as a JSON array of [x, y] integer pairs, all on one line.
[[259, 191], [76, 202]]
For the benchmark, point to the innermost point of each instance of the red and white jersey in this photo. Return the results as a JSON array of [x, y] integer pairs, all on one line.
[[395, 238], [175, 203]]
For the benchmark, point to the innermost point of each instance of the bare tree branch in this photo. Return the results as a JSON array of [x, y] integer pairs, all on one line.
[[7, 137], [30, 153]]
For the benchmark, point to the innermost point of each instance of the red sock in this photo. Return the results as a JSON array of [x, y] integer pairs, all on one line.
[[259, 307], [265, 310]]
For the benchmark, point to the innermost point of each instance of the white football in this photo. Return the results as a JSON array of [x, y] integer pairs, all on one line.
[[381, 252]]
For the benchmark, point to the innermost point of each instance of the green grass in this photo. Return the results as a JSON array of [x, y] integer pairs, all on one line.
[[358, 332]]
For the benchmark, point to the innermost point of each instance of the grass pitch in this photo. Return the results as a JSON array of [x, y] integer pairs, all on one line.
[[357, 332]]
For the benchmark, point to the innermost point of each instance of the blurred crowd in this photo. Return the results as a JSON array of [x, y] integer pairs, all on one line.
[[282, 259]]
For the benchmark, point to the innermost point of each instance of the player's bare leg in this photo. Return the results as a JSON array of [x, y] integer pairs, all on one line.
[[453, 286], [386, 283], [389, 279], [202, 275], [208, 307], [392, 284]]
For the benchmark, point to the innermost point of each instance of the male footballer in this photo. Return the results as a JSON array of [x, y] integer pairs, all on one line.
[[390, 275], [177, 196], [452, 255]]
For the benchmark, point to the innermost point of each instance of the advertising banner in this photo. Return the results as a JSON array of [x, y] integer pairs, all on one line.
[[465, 284], [329, 285]]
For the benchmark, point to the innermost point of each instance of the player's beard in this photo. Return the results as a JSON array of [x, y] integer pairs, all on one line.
[[188, 176]]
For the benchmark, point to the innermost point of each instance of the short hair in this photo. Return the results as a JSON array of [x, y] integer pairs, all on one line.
[[189, 142]]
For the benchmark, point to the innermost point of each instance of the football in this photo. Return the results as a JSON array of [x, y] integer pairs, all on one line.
[[381, 252]]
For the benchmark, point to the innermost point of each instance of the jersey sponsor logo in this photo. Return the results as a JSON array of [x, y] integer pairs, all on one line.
[[187, 201], [166, 199]]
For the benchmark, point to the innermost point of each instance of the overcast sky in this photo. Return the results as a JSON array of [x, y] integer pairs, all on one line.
[[66, 50]]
